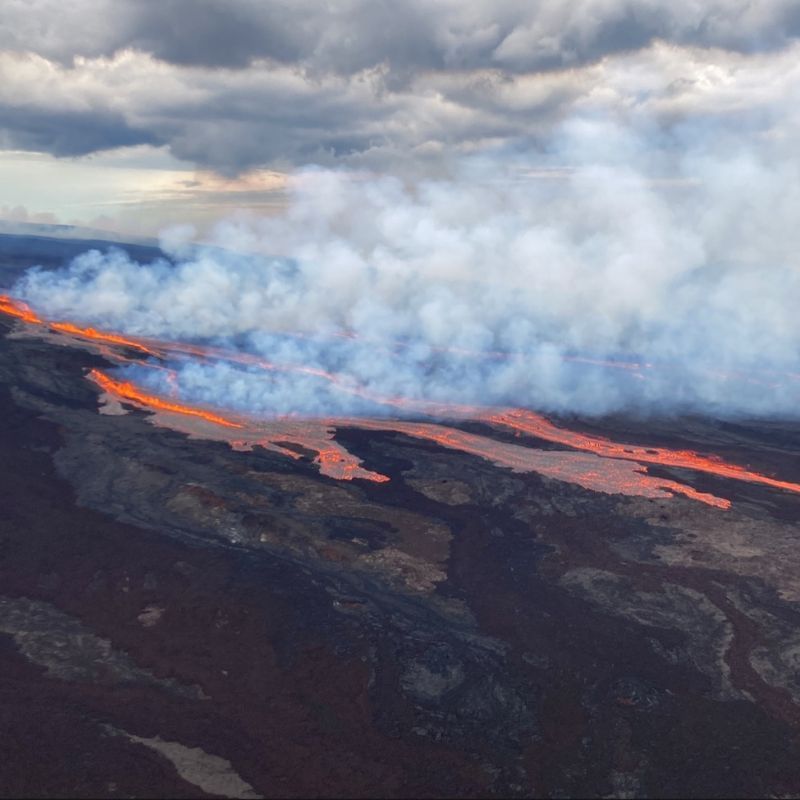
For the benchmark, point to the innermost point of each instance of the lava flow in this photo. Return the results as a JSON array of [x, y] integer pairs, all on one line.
[[584, 469], [126, 390], [594, 468], [528, 422], [18, 309], [317, 435], [92, 334]]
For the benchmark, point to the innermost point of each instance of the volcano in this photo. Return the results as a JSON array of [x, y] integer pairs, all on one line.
[[438, 600]]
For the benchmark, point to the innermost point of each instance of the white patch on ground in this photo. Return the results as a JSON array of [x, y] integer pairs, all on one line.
[[150, 616], [210, 773]]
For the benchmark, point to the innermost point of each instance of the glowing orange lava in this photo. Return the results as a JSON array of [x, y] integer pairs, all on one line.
[[336, 461], [529, 422], [583, 469], [126, 390], [104, 337], [18, 309]]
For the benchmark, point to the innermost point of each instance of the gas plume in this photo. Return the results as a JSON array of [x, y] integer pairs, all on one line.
[[293, 437], [607, 274]]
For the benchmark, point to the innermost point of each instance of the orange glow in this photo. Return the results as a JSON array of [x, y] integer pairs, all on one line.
[[18, 309], [528, 422], [584, 469], [340, 382], [101, 336], [125, 390], [335, 461]]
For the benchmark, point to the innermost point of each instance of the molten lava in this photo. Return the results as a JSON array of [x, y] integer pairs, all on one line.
[[584, 469], [596, 466], [18, 309], [126, 390], [338, 463], [528, 422], [103, 337]]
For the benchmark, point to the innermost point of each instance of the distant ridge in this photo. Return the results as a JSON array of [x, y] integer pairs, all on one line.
[[70, 232], [20, 251]]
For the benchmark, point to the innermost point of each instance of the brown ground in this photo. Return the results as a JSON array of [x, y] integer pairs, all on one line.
[[174, 614]]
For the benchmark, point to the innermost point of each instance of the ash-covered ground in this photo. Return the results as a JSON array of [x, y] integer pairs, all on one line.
[[181, 619]]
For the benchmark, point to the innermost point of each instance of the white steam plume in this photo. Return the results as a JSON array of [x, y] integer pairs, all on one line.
[[683, 256]]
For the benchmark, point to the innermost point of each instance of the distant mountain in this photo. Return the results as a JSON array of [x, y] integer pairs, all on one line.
[[18, 252], [68, 232]]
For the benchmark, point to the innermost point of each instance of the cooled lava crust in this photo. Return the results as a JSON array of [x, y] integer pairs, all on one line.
[[180, 619]]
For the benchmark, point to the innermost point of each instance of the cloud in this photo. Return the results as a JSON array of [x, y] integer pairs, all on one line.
[[684, 259], [233, 121], [236, 85], [349, 36], [562, 183], [67, 133], [12, 214]]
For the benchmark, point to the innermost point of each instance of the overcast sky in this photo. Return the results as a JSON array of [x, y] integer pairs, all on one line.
[[134, 113]]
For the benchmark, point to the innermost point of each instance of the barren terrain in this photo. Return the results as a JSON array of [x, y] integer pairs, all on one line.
[[181, 618]]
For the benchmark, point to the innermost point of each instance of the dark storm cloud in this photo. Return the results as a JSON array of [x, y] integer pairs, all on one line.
[[351, 35], [67, 133], [214, 34], [233, 84]]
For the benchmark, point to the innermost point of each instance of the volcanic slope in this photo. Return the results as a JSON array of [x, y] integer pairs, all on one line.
[[182, 618]]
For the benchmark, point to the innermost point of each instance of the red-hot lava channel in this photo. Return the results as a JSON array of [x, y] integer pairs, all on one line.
[[528, 422], [129, 391], [103, 337], [519, 420], [317, 435], [18, 309]]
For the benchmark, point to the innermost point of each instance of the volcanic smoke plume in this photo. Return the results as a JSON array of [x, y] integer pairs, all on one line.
[[631, 279]]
